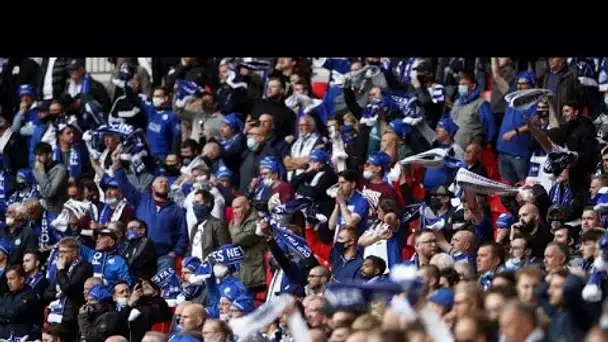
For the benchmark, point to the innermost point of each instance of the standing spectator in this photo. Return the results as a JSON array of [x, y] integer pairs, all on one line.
[[317, 279], [259, 143], [563, 82], [352, 208], [471, 113], [308, 139], [140, 252], [190, 69], [74, 156], [12, 147], [375, 187], [513, 141], [81, 82], [16, 72], [140, 76], [52, 178], [274, 105], [209, 233], [430, 95], [20, 310], [472, 158], [503, 78], [107, 263], [490, 257], [242, 230], [65, 292], [233, 143], [346, 257], [166, 221], [52, 77]]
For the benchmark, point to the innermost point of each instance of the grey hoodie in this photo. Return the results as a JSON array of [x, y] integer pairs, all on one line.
[[52, 185]]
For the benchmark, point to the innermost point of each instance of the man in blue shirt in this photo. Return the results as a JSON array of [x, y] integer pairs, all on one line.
[[351, 207], [513, 141], [346, 257]]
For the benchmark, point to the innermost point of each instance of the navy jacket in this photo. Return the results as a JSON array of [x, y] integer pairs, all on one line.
[[166, 226], [20, 314]]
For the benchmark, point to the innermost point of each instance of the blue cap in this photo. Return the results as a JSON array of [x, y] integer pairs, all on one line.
[[244, 304], [443, 297], [505, 221], [99, 293], [319, 156], [529, 76], [27, 176], [449, 125], [223, 172], [270, 163], [109, 182], [379, 159], [191, 263], [26, 89], [400, 127], [233, 121]]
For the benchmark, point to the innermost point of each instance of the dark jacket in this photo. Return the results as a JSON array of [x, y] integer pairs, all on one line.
[[231, 100], [252, 268], [72, 287], [22, 239], [59, 76], [99, 93], [250, 166], [318, 192], [215, 234], [198, 73], [152, 310], [574, 320], [568, 88], [284, 118], [20, 314], [579, 135], [141, 257], [14, 157], [99, 325], [18, 71]]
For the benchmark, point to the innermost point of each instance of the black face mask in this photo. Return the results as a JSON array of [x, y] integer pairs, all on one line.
[[48, 119], [186, 160], [435, 204], [172, 170]]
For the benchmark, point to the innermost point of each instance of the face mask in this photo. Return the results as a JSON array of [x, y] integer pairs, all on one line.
[[340, 245], [122, 302], [267, 181], [435, 204], [132, 234], [201, 211], [224, 317], [251, 143], [158, 101], [112, 202], [186, 160], [9, 221], [220, 271], [172, 170], [463, 90], [368, 174]]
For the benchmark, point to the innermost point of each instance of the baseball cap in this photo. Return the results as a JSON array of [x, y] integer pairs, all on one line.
[[75, 64]]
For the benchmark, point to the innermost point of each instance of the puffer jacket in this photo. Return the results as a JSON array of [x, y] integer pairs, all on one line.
[[252, 272]]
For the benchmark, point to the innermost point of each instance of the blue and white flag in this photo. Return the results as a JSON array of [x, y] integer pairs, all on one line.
[[229, 254]]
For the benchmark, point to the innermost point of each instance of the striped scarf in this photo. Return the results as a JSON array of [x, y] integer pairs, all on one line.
[[561, 195], [75, 162]]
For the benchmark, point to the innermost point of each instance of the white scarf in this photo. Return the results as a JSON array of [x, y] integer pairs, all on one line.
[[6, 136], [50, 136], [302, 147], [275, 285], [379, 248], [197, 240]]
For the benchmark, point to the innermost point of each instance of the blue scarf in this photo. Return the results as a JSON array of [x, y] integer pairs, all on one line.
[[85, 89], [227, 143], [189, 291], [168, 282], [290, 242], [99, 263], [403, 70], [2, 187], [75, 162], [560, 195], [228, 255], [33, 281], [51, 270], [20, 197], [56, 311], [486, 280]]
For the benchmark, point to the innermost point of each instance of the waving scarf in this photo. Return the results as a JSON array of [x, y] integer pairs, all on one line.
[[227, 143], [229, 254], [168, 282], [104, 216], [289, 241], [561, 195], [75, 162]]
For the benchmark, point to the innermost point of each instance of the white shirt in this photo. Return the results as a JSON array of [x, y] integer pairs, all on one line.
[[47, 87], [74, 88]]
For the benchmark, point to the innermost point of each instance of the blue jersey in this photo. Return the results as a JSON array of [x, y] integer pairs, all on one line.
[[163, 126]]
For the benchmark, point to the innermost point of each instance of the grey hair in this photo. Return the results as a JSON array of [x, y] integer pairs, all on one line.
[[310, 120]]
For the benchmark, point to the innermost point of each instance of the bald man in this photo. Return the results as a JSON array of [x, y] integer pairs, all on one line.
[[317, 278], [177, 316], [531, 222], [154, 336], [165, 219], [461, 247], [193, 317], [116, 338]]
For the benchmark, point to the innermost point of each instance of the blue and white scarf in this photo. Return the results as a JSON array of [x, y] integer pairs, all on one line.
[[33, 281], [99, 263], [57, 307], [46, 237], [227, 143], [560, 195], [227, 255], [2, 187], [21, 197], [75, 162], [85, 89], [51, 270], [105, 217], [133, 144], [168, 282], [404, 69]]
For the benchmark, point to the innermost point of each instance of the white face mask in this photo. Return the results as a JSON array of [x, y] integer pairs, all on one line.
[[157, 101], [112, 202], [122, 302], [268, 181], [9, 221], [220, 271], [368, 174]]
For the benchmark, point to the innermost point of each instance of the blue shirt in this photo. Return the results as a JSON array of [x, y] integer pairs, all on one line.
[[344, 270], [356, 204], [163, 127], [519, 145]]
